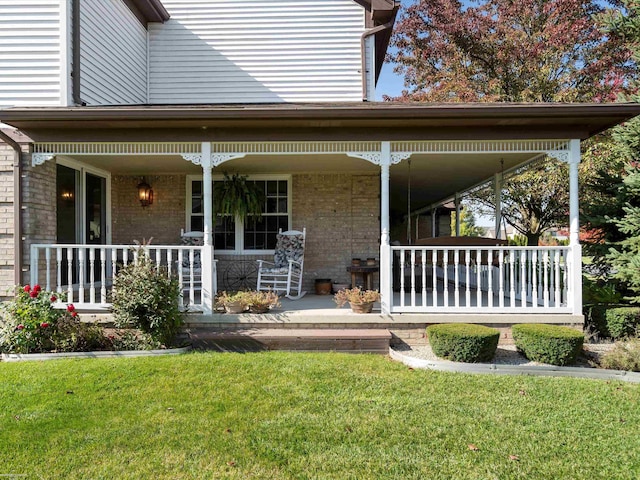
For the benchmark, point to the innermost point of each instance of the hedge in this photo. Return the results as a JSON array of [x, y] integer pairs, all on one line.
[[548, 343], [623, 322], [462, 342]]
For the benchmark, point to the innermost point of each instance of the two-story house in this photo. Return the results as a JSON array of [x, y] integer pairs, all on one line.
[[113, 98]]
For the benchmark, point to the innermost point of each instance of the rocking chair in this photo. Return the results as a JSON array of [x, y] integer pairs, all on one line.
[[284, 274]]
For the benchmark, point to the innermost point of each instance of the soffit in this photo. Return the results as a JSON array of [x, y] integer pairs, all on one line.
[[347, 121]]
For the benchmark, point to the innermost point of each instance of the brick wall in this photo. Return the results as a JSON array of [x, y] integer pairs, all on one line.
[[341, 214], [38, 208], [162, 220], [6, 220]]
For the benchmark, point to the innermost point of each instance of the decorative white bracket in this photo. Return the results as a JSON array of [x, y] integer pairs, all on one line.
[[220, 158], [373, 157], [397, 157], [195, 158], [216, 158], [376, 157], [40, 158], [561, 155]]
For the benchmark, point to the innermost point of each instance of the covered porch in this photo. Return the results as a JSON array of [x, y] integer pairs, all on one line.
[[444, 278], [376, 153]]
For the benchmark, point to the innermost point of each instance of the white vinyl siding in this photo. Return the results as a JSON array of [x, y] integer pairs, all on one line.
[[113, 50], [30, 53], [252, 51]]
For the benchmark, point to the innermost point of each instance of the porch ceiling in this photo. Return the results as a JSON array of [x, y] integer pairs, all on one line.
[[433, 176], [437, 176]]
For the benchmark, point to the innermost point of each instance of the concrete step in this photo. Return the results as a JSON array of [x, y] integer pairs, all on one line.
[[348, 340]]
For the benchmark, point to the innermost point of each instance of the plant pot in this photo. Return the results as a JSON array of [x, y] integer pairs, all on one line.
[[355, 262], [235, 307], [323, 286], [371, 261], [361, 307], [258, 308]]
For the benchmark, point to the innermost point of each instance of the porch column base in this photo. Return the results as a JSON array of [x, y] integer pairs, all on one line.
[[209, 282], [575, 270]]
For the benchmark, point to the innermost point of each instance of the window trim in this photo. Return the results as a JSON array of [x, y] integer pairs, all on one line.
[[239, 250]]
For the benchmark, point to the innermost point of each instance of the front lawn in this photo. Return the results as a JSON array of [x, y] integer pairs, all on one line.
[[283, 415]]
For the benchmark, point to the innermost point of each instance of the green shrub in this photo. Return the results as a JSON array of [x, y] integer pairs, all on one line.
[[624, 356], [72, 335], [595, 322], [131, 340], [144, 297], [548, 343], [461, 342], [31, 324], [623, 321]]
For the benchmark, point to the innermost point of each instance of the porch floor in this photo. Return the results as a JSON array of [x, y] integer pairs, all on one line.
[[320, 310]]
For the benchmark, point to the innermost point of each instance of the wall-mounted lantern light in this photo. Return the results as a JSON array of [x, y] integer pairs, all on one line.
[[67, 195], [145, 193]]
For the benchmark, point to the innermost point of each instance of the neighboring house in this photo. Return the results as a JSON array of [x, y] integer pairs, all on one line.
[[111, 95]]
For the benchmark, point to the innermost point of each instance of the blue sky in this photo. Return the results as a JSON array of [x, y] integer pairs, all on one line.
[[390, 83]]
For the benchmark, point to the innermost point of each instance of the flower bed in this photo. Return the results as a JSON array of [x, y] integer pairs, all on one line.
[[30, 324]]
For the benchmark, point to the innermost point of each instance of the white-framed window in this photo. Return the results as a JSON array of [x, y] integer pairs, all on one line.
[[233, 236]]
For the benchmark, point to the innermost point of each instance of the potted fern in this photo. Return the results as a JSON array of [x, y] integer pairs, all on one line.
[[238, 198]]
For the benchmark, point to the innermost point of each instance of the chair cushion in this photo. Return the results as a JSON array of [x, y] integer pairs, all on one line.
[[192, 241], [276, 271], [288, 247]]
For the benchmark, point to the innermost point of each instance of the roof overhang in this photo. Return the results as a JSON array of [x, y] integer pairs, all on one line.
[[346, 121], [148, 10], [380, 12]]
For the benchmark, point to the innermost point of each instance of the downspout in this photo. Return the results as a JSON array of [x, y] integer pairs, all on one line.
[[17, 207], [363, 68], [75, 47]]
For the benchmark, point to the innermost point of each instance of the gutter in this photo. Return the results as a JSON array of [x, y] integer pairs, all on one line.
[[17, 207], [363, 68]]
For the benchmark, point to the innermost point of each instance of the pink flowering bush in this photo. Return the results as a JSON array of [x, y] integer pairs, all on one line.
[[31, 324]]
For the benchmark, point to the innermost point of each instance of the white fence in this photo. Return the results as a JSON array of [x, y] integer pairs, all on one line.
[[85, 272], [481, 279]]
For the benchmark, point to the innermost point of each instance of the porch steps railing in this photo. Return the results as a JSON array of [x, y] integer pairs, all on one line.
[[85, 273], [480, 279]]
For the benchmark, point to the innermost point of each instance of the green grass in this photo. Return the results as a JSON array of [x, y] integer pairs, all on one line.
[[297, 416]]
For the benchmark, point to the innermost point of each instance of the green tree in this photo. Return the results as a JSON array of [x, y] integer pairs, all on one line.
[[468, 227], [524, 51], [622, 225]]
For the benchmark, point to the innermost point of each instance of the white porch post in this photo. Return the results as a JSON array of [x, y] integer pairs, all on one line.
[[208, 271], [433, 222], [457, 204], [386, 288], [575, 298], [497, 192]]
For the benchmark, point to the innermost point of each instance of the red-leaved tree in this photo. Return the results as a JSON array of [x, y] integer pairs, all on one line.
[[509, 51]]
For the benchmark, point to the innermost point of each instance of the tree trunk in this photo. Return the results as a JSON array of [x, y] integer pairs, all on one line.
[[532, 239]]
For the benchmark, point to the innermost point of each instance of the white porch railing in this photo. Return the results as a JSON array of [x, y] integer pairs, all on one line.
[[481, 279], [85, 272]]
